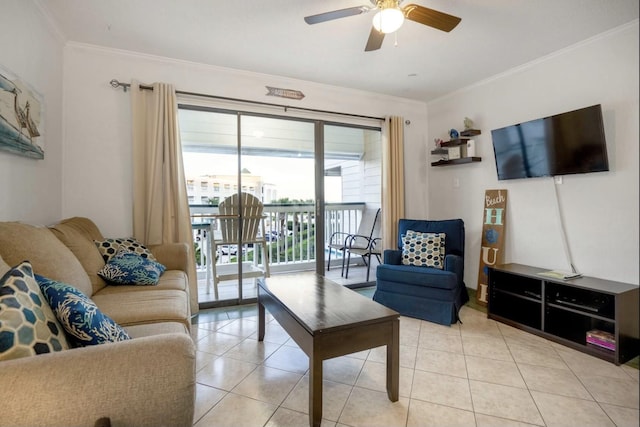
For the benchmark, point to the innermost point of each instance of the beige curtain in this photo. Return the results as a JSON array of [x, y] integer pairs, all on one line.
[[392, 180], [160, 203]]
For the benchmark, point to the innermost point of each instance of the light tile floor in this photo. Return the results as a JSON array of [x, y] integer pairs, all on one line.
[[478, 373], [228, 289]]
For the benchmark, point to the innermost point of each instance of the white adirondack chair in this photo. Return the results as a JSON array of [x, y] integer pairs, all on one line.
[[240, 217]]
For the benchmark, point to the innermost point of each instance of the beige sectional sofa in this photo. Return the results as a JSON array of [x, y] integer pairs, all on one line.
[[146, 381]]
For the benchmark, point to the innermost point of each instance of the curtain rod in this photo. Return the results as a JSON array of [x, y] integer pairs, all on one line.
[[116, 84]]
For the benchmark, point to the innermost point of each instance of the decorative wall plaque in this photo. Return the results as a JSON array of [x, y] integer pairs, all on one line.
[[284, 93], [20, 117], [492, 249]]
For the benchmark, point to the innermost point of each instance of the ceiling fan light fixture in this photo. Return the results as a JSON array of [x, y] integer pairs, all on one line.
[[388, 20]]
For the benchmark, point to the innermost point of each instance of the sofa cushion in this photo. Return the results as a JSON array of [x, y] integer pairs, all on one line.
[[48, 255], [73, 233], [423, 249], [149, 305], [84, 226], [400, 275], [4, 267], [27, 324], [170, 279], [129, 268], [110, 247], [150, 329], [83, 321]]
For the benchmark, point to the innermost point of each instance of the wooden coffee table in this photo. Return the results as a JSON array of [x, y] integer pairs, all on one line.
[[328, 320]]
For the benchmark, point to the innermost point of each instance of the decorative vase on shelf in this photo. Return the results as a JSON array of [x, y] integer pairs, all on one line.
[[453, 134]]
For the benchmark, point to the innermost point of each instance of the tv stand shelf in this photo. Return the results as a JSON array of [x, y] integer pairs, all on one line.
[[565, 310]]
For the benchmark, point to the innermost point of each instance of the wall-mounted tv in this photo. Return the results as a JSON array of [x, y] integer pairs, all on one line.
[[567, 143]]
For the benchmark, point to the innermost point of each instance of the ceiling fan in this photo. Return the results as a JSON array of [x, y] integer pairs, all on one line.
[[389, 18]]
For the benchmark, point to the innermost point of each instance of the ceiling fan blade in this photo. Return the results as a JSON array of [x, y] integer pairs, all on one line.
[[336, 14], [438, 20], [375, 40]]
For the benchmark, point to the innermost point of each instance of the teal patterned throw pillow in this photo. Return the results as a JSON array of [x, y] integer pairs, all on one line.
[[83, 321], [423, 249], [27, 324], [128, 268]]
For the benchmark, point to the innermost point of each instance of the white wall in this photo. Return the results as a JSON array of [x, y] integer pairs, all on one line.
[[30, 48], [97, 166], [600, 209]]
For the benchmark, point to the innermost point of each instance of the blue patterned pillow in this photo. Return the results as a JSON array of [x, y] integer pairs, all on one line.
[[423, 249], [129, 268], [27, 324], [110, 247], [83, 321]]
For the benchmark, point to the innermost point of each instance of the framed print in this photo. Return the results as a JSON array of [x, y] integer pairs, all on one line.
[[21, 118]]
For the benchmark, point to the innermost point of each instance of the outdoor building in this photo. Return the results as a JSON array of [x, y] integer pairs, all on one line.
[[211, 189]]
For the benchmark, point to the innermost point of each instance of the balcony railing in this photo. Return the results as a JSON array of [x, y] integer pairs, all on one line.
[[290, 231]]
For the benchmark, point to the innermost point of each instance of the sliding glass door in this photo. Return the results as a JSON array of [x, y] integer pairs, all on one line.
[[211, 161], [231, 154], [352, 194], [291, 166], [277, 156]]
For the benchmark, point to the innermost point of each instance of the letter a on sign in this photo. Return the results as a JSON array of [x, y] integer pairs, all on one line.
[[492, 250]]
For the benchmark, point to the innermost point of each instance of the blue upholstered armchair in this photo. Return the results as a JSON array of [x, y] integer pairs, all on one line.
[[425, 292]]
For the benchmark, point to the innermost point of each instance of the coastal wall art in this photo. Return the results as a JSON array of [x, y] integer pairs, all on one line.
[[21, 118]]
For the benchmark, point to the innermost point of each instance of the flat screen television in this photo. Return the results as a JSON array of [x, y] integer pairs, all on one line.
[[563, 144]]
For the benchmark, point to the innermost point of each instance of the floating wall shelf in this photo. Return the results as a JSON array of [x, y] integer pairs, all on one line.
[[460, 161], [442, 150]]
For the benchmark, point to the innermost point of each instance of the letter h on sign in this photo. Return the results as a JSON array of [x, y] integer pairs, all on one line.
[[493, 216]]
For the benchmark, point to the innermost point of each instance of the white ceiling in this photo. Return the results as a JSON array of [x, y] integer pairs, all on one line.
[[271, 37]]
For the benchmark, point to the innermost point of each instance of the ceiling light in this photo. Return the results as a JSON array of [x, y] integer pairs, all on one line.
[[388, 20]]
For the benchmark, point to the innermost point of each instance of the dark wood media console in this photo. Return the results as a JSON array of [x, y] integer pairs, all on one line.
[[565, 310]]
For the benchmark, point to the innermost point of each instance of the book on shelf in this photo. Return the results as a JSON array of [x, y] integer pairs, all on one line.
[[603, 344], [601, 335], [601, 339], [559, 274]]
